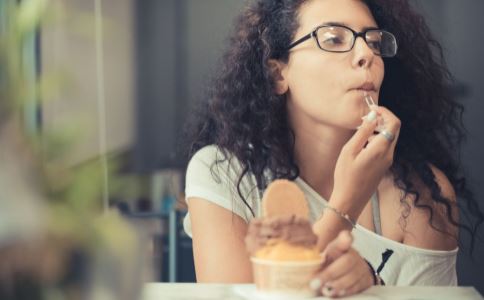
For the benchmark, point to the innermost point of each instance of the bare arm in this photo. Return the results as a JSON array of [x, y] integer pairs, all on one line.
[[218, 244]]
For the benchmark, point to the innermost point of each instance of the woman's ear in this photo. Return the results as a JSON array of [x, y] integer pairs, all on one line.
[[279, 73]]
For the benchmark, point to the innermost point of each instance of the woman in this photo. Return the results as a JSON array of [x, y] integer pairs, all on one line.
[[289, 102]]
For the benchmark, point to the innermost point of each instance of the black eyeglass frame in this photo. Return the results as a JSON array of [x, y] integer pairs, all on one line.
[[361, 34]]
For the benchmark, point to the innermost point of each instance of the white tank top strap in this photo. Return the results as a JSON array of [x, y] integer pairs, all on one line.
[[375, 205]]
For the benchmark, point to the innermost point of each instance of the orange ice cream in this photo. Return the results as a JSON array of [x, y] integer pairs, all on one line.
[[280, 250], [284, 233], [282, 244], [285, 238]]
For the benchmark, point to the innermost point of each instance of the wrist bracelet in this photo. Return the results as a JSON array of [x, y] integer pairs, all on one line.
[[342, 215], [377, 280], [373, 273]]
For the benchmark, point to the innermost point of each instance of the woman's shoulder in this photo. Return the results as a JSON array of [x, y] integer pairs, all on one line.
[[211, 163], [217, 176], [426, 195], [207, 153], [442, 208], [425, 221], [216, 159], [446, 188]]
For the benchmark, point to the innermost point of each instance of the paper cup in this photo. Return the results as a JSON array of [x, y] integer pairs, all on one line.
[[284, 278]]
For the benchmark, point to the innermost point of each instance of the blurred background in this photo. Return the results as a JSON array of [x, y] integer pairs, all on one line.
[[113, 81]]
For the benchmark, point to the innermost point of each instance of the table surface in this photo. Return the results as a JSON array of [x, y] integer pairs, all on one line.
[[194, 291]]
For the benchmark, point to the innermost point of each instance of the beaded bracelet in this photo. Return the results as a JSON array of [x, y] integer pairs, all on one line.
[[342, 215], [377, 280]]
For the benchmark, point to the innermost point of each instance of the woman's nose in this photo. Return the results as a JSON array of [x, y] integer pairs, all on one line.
[[363, 55]]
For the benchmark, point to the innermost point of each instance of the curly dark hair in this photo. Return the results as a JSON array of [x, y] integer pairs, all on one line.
[[246, 119]]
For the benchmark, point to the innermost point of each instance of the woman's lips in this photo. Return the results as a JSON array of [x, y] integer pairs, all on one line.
[[365, 87], [363, 91]]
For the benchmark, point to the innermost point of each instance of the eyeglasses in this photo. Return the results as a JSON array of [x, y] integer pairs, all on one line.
[[339, 38]]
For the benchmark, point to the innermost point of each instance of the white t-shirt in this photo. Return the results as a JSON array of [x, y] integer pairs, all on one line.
[[407, 265]]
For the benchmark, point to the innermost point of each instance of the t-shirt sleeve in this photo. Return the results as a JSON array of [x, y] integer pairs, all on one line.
[[213, 177]]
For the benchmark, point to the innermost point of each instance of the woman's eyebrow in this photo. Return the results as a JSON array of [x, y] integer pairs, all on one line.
[[346, 25]]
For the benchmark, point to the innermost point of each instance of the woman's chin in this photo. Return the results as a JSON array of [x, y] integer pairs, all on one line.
[[354, 121]]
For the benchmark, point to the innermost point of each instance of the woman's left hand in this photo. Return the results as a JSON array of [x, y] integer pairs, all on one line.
[[344, 271]]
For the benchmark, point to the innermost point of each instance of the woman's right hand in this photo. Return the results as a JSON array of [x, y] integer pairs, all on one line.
[[363, 162]]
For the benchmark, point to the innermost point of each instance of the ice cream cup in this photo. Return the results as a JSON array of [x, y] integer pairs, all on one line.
[[284, 279]]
